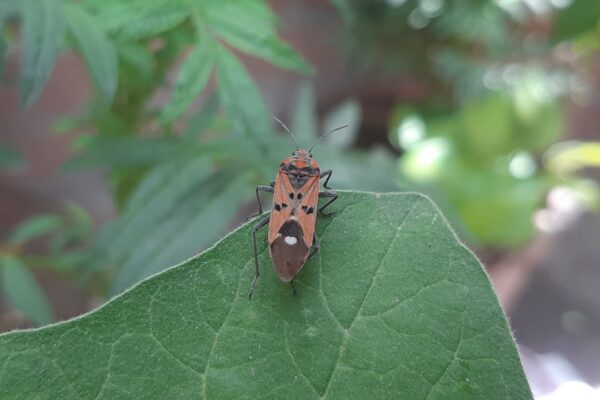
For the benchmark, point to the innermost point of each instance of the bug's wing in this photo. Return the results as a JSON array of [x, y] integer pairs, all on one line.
[[281, 209], [289, 251], [307, 211]]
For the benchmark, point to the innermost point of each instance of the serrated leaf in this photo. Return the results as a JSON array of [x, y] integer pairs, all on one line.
[[191, 79], [197, 221], [23, 292], [34, 227], [133, 20], [240, 96], [253, 31], [158, 195], [43, 35], [393, 306], [98, 51]]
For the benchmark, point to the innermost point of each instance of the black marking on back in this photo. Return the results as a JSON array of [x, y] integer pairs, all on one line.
[[291, 228], [298, 176]]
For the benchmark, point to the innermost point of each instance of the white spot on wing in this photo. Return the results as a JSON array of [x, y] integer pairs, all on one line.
[[291, 240]]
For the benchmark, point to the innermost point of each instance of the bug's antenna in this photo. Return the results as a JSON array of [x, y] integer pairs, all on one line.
[[287, 130], [327, 134]]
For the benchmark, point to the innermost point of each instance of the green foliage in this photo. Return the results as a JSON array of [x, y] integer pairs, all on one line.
[[64, 253], [43, 30], [578, 18], [9, 158], [490, 177], [22, 290], [95, 47], [406, 311]]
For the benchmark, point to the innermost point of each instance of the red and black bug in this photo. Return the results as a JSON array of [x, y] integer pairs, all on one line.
[[296, 193]]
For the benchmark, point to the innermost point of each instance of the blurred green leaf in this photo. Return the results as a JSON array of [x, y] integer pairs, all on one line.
[[405, 312], [35, 227], [128, 151], [156, 197], [8, 10], [485, 130], [135, 19], [202, 120], [97, 50], [240, 96], [198, 221], [22, 290], [346, 113], [253, 31], [192, 78], [43, 35], [304, 119], [578, 18], [10, 158]]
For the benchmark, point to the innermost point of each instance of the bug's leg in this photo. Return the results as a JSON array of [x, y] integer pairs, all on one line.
[[327, 173], [261, 188], [316, 246], [293, 288], [259, 225], [329, 194]]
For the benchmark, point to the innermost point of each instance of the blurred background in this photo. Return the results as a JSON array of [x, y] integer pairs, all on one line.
[[133, 132]]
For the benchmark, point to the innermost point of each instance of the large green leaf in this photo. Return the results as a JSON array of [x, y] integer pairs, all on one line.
[[43, 34], [393, 306], [97, 50]]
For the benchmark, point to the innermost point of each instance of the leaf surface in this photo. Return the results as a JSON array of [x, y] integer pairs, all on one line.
[[393, 306]]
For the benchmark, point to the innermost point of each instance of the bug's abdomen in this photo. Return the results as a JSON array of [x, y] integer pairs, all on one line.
[[289, 250]]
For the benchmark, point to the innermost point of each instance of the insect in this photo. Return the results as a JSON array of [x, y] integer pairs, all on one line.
[[296, 191]]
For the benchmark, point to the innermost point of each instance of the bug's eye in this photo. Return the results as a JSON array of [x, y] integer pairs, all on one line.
[[310, 155], [294, 153]]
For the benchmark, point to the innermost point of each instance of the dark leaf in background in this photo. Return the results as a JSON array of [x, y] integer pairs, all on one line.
[[43, 35], [406, 311], [579, 17]]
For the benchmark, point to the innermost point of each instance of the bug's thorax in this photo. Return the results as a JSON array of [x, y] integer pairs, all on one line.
[[299, 168]]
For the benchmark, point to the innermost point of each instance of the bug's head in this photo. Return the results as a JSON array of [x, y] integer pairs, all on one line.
[[302, 154]]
